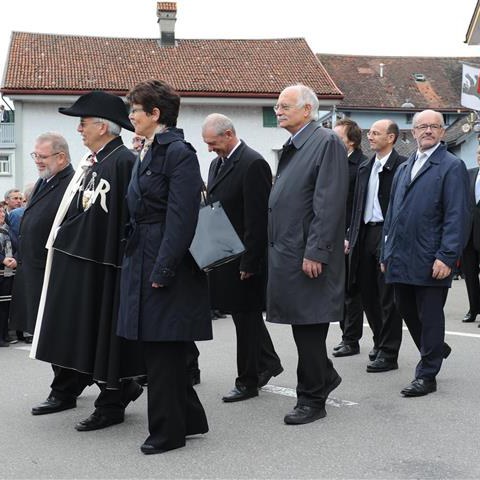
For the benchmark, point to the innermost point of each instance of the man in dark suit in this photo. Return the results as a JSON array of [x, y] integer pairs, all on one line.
[[52, 159], [471, 254], [372, 193], [424, 234], [241, 180], [352, 324]]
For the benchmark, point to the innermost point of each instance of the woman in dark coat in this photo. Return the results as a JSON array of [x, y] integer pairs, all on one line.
[[164, 296]]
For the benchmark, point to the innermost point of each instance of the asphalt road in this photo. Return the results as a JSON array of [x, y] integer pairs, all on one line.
[[370, 431]]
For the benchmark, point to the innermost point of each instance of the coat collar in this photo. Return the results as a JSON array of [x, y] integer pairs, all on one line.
[[228, 169], [434, 159], [50, 185], [164, 138]]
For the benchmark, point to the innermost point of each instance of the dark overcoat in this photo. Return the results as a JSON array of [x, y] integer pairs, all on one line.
[[163, 200], [31, 254], [473, 231], [242, 187], [360, 197], [76, 326], [427, 219], [306, 219], [355, 159]]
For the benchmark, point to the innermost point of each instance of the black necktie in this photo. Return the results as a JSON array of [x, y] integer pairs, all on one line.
[[220, 165]]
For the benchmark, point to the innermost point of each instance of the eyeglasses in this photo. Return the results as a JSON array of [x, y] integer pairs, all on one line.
[[84, 124], [36, 156], [283, 107], [425, 126], [133, 111]]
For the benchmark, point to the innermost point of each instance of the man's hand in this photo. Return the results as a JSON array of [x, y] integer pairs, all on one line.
[[157, 285], [10, 262], [382, 267], [311, 268], [346, 247], [440, 270], [245, 275]]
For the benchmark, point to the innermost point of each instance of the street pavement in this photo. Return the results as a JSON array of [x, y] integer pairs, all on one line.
[[370, 431]]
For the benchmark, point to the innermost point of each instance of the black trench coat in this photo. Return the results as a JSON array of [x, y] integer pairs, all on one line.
[[163, 199]]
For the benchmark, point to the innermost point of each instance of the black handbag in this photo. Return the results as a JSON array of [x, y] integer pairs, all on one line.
[[215, 242]]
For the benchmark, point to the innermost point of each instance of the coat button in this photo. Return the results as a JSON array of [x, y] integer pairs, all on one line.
[[271, 244], [148, 172]]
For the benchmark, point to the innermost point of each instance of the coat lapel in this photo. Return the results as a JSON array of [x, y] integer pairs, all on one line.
[[226, 170]]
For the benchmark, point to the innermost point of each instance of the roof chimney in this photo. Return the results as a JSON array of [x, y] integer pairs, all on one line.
[[381, 69], [167, 16]]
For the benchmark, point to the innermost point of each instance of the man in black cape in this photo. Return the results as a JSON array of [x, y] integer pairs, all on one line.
[[77, 315]]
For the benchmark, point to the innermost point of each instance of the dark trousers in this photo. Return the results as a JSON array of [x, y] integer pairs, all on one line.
[[69, 384], [6, 284], [255, 351], [471, 270], [314, 369], [422, 310], [352, 323], [174, 410], [378, 297]]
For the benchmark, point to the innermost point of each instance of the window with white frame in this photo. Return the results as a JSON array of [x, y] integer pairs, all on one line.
[[5, 164]]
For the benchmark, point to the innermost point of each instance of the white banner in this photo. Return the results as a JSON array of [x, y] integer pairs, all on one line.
[[470, 92]]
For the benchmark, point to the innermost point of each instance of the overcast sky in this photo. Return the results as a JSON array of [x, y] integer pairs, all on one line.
[[366, 27]]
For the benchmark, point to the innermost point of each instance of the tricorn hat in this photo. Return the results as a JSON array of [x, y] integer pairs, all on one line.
[[102, 105]]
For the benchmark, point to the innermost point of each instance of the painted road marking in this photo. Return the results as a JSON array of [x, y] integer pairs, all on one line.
[[290, 392]]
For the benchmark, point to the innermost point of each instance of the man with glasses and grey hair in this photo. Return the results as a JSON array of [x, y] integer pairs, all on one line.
[[77, 315], [52, 159], [424, 233], [306, 228]]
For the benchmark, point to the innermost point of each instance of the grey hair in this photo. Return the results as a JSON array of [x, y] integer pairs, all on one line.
[[9, 192], [112, 127], [415, 117], [59, 144], [306, 96], [220, 123]]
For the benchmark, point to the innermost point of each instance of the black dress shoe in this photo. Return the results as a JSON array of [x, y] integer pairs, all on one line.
[[53, 404], [382, 365], [372, 354], [469, 317], [420, 387], [265, 376], [240, 393], [447, 350], [339, 346], [302, 414], [3, 343], [96, 421], [28, 340], [347, 351], [150, 449]]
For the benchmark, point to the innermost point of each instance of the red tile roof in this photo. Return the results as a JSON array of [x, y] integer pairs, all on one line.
[[69, 64], [359, 79]]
